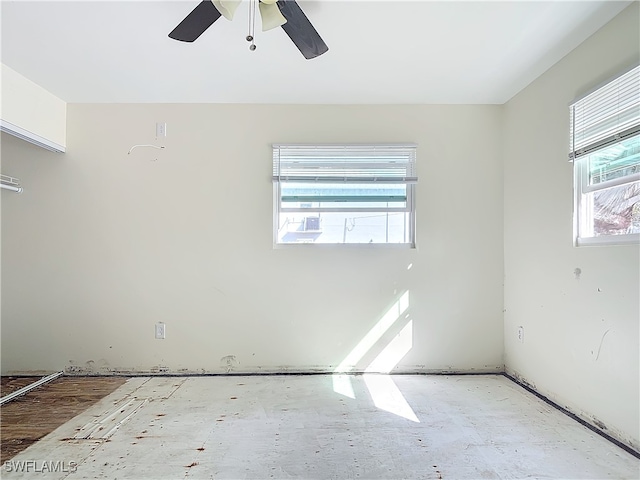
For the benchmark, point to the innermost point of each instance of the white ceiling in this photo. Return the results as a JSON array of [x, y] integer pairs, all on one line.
[[481, 52]]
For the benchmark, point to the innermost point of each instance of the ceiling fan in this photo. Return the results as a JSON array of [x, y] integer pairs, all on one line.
[[274, 13]]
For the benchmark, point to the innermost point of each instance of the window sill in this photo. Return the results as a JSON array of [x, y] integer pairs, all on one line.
[[609, 240], [400, 246]]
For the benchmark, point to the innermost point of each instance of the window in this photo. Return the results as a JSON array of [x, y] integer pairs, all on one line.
[[605, 148], [336, 194]]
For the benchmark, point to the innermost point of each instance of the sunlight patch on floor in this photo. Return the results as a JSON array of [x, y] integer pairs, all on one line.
[[387, 396]]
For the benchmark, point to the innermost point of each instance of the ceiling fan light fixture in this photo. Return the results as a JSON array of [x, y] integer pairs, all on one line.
[[284, 13], [227, 7], [271, 16]]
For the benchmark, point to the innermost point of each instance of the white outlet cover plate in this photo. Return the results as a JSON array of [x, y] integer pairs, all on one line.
[[160, 330]]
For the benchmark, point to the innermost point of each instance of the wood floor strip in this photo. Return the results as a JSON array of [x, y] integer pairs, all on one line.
[[28, 418]]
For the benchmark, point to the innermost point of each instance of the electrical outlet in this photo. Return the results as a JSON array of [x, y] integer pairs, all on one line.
[[521, 334], [160, 330], [161, 130]]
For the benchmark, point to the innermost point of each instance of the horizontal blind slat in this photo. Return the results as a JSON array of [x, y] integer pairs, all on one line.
[[346, 162]]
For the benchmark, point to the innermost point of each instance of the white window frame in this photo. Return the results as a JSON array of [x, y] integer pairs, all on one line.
[[600, 119], [372, 171]]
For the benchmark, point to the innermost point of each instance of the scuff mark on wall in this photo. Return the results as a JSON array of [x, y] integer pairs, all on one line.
[[601, 341], [520, 379], [103, 366], [577, 272], [229, 362], [74, 367], [599, 424]]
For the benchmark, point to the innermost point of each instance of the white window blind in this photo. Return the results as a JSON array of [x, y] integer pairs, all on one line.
[[344, 163], [606, 116]]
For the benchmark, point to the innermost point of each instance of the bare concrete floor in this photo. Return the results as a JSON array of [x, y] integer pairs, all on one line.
[[324, 427]]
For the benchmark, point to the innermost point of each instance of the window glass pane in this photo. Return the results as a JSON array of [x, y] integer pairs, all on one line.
[[615, 161], [344, 227], [613, 211]]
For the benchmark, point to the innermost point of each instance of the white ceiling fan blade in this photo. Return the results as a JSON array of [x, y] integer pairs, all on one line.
[[271, 16], [227, 7]]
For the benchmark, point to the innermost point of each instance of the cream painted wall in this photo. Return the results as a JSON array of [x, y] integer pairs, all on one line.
[[32, 108], [102, 244], [581, 336]]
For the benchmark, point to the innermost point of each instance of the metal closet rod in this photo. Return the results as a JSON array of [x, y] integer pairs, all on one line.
[[11, 187]]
